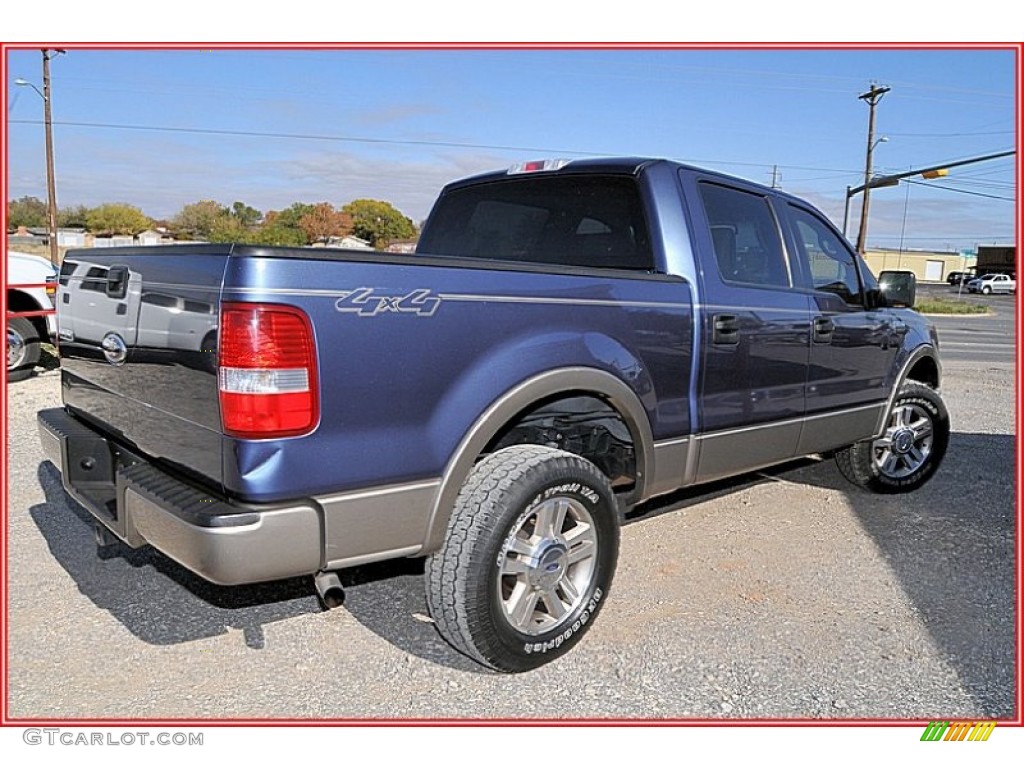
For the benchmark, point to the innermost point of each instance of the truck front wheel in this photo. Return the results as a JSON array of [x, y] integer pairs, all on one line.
[[909, 451], [528, 558], [22, 348]]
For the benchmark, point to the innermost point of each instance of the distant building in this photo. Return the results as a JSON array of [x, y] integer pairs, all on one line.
[[402, 246], [71, 237], [997, 258], [350, 241], [153, 237], [27, 236], [77, 237], [117, 241], [927, 266]]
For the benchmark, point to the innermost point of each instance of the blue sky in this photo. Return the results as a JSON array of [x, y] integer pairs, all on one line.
[[335, 125]]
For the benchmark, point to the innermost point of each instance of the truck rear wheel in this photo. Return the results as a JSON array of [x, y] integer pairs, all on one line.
[[909, 451], [22, 348], [528, 558]]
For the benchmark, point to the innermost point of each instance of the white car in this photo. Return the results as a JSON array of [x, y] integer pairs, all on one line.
[[24, 334], [992, 284]]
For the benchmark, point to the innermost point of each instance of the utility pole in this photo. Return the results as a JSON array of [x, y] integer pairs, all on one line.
[[51, 184], [872, 97], [776, 180]]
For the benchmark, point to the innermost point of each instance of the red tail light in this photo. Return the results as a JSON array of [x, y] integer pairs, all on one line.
[[267, 374]]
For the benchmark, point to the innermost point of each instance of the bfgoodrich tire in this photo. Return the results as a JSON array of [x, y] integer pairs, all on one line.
[[906, 456], [22, 348], [528, 559]]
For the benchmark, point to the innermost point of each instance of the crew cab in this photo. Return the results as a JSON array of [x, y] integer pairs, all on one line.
[[569, 340], [31, 285], [992, 283]]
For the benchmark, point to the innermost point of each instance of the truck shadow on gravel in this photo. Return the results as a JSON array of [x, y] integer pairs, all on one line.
[[388, 599], [951, 546], [162, 603], [156, 599]]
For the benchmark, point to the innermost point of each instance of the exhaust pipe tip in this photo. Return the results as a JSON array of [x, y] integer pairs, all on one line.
[[104, 538], [329, 589]]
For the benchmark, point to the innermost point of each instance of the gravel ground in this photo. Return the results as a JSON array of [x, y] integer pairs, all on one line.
[[781, 594]]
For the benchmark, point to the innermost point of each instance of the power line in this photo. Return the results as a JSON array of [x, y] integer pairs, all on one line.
[[957, 236], [961, 191], [425, 143], [949, 135], [409, 142], [307, 137]]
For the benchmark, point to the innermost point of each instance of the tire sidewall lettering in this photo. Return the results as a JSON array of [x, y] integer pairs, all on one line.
[[562, 637], [566, 635]]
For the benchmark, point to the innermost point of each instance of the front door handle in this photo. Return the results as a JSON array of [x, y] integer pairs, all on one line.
[[823, 330], [726, 330]]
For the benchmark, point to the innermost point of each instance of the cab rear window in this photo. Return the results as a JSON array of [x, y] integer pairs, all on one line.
[[577, 221]]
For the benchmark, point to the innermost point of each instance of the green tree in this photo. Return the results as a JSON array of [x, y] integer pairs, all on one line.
[[26, 212], [199, 219], [274, 234], [379, 222], [290, 216], [323, 222], [228, 229], [73, 216], [116, 219], [245, 215], [282, 227]]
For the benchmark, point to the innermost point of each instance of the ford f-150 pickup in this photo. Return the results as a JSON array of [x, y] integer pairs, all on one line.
[[569, 340]]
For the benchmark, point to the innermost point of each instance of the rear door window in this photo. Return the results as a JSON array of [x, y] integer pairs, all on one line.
[[745, 236]]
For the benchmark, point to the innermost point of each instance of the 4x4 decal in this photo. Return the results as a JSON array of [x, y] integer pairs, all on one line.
[[365, 303]]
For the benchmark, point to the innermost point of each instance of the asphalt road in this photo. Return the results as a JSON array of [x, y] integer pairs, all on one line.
[[977, 338], [781, 594]]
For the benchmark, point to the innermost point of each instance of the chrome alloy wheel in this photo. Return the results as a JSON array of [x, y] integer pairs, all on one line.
[[907, 442], [547, 565], [15, 349]]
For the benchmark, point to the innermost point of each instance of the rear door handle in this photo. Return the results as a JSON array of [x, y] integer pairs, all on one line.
[[823, 330], [726, 330]]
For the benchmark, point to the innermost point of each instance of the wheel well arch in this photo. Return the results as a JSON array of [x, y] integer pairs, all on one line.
[[19, 301], [582, 423], [922, 366], [552, 389], [926, 371]]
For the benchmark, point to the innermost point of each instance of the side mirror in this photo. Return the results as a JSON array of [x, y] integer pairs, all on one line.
[[897, 288], [117, 282]]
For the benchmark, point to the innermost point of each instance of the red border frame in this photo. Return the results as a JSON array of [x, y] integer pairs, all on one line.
[[6, 720]]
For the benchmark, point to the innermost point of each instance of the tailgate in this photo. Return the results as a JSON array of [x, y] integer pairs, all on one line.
[[138, 348]]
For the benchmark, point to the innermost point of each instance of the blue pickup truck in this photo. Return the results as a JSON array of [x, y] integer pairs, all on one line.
[[569, 340]]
